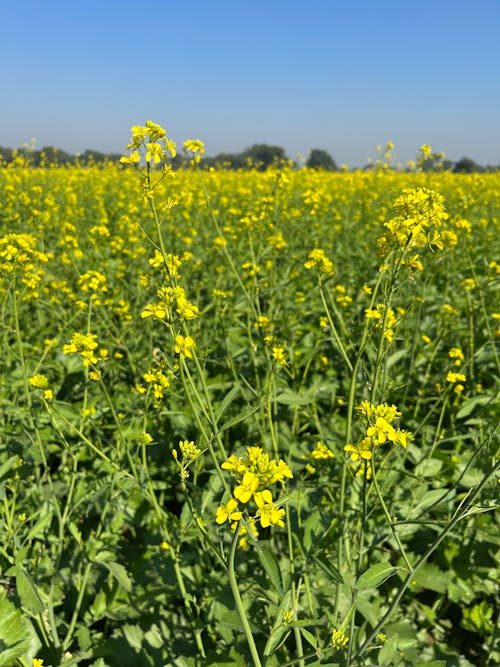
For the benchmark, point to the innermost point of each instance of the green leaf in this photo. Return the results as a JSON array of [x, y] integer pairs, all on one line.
[[428, 467], [278, 636], [18, 639], [375, 575], [134, 635], [388, 651], [432, 498], [292, 398], [431, 577], [469, 405], [27, 591], [270, 565], [40, 525], [432, 663], [75, 531], [116, 569], [154, 637], [478, 618], [227, 400], [8, 465], [236, 420], [309, 637], [394, 358], [330, 570]]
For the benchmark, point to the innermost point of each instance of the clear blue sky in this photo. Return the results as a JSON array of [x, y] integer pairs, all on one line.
[[302, 74]]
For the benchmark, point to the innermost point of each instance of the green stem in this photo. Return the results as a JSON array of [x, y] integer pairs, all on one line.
[[388, 518], [239, 602], [460, 513]]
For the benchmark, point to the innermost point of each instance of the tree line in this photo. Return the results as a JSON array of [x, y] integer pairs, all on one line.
[[258, 156]]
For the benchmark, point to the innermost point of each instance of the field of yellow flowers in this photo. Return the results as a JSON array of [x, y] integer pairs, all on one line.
[[248, 418]]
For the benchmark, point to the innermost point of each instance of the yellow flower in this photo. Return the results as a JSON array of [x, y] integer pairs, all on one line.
[[455, 377], [184, 346], [247, 488], [154, 310], [338, 639], [40, 381], [278, 353], [189, 450], [228, 511], [362, 450], [456, 354], [268, 513], [318, 260], [322, 451]]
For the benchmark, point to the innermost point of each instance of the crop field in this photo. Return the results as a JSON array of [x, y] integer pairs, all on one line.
[[248, 418]]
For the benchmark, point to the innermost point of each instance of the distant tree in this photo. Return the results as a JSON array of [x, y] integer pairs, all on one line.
[[320, 159], [263, 156], [467, 166], [56, 155], [6, 154]]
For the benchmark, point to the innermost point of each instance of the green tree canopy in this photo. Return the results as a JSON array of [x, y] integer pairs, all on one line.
[[320, 159]]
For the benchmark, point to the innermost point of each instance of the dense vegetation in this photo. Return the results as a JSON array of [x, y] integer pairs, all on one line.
[[248, 418]]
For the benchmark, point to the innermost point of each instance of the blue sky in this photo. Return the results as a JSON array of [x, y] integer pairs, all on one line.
[[342, 76]]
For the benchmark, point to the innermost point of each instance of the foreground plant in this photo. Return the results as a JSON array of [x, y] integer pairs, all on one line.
[[249, 418]]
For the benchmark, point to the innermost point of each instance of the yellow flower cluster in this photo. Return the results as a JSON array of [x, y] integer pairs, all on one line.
[[184, 346], [87, 346], [195, 148], [456, 380], [379, 430], [420, 213], [150, 142], [384, 317], [170, 298], [278, 354], [338, 639], [40, 381], [253, 474], [318, 260], [189, 453], [158, 379], [19, 255]]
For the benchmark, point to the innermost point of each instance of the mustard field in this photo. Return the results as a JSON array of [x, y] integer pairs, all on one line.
[[248, 417]]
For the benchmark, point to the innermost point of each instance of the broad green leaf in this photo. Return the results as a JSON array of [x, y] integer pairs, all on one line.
[[18, 639], [428, 467], [478, 618], [270, 565], [395, 357], [430, 576], [309, 637], [8, 465], [238, 419], [27, 591], [330, 570], [154, 637], [116, 569], [39, 527], [432, 663], [469, 405], [375, 575], [388, 650], [292, 398], [227, 400], [134, 635], [432, 498], [278, 636]]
